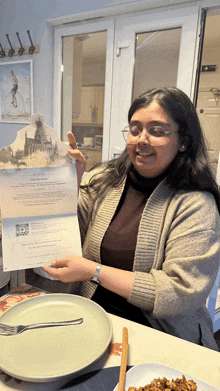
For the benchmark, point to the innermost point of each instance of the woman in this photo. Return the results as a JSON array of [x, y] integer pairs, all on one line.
[[151, 219]]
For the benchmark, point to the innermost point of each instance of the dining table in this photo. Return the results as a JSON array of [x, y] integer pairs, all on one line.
[[146, 345]]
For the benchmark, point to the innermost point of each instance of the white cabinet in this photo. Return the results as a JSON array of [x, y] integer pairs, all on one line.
[[92, 106], [92, 156]]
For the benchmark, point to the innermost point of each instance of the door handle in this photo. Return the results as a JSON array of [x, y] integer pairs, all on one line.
[[121, 45]]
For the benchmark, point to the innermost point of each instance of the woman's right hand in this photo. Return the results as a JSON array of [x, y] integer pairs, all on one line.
[[78, 156]]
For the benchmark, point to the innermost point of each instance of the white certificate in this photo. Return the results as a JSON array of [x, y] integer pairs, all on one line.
[[38, 191], [32, 241], [39, 216], [38, 198]]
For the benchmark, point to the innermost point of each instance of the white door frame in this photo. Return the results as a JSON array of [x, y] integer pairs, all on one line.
[[124, 63], [91, 27], [118, 82]]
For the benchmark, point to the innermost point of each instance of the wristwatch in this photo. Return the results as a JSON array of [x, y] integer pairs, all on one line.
[[96, 275]]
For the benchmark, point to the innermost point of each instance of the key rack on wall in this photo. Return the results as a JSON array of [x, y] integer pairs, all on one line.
[[20, 51]]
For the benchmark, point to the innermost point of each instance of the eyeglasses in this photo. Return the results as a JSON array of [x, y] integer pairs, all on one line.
[[156, 134]]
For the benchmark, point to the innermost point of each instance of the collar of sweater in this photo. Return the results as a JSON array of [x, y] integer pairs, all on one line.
[[143, 184]]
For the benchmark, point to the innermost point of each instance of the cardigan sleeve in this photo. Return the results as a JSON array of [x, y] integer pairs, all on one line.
[[186, 260]]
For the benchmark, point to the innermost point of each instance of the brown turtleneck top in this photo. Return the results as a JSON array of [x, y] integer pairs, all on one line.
[[119, 242]]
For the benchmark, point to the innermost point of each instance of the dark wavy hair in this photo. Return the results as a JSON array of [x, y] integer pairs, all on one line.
[[190, 168]]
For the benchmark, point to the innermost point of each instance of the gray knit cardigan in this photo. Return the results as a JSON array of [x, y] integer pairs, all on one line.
[[176, 258]]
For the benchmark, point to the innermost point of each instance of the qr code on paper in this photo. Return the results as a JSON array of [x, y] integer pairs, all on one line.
[[22, 229]]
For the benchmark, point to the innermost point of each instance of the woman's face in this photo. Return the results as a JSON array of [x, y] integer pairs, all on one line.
[[151, 160]]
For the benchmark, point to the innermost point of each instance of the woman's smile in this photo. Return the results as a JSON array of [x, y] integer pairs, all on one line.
[[144, 158], [152, 160], [144, 154]]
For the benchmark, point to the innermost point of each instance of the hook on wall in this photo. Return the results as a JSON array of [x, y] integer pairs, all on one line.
[[2, 52], [11, 51], [21, 49], [31, 48]]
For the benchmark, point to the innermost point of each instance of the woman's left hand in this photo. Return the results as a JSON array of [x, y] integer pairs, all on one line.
[[77, 155], [71, 269], [75, 269]]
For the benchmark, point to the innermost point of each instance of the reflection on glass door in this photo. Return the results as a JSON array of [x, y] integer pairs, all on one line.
[[208, 99], [83, 86], [156, 60]]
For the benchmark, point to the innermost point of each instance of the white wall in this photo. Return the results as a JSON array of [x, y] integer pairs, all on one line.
[[22, 15]]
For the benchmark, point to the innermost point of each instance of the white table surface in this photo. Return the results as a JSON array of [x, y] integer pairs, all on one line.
[[145, 345]]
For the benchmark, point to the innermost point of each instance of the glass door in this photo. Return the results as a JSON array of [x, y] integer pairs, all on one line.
[[156, 60], [105, 65], [82, 86], [151, 50]]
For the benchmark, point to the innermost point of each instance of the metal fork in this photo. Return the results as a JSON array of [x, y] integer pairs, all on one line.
[[14, 330]]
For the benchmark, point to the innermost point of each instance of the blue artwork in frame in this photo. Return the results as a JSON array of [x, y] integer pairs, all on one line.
[[16, 91]]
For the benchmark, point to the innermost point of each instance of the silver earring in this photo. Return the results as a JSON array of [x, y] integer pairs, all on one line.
[[182, 147]]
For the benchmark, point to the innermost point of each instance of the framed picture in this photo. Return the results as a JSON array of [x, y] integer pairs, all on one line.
[[98, 141], [16, 91]]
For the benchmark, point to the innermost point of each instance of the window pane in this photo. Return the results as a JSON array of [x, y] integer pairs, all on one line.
[[156, 60], [84, 58]]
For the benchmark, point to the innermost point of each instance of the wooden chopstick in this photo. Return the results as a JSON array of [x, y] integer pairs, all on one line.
[[124, 359]]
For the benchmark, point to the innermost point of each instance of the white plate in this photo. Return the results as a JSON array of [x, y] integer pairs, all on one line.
[[48, 354], [143, 374]]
